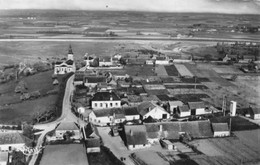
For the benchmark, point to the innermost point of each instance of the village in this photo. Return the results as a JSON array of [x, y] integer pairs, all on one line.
[[146, 107]]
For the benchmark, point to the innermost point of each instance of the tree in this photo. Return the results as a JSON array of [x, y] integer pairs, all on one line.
[[28, 130]]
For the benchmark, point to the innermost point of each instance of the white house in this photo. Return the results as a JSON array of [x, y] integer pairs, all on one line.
[[162, 61], [136, 137], [147, 109], [102, 100], [12, 141], [112, 116], [65, 127], [220, 129], [183, 111], [65, 66], [106, 61]]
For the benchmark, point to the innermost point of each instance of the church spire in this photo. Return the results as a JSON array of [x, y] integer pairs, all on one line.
[[70, 50]]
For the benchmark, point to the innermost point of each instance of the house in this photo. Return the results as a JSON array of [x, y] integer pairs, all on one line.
[[183, 111], [167, 144], [13, 141], [65, 66], [173, 106], [103, 100], [103, 117], [198, 108], [64, 127], [147, 109], [136, 137], [103, 86], [220, 129], [92, 139], [120, 76], [92, 81], [106, 61], [254, 113], [162, 61], [3, 158], [149, 62]]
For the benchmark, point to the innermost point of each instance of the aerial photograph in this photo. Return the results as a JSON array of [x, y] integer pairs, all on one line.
[[129, 82]]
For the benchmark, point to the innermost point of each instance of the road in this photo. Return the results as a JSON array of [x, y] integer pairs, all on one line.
[[66, 115], [116, 39]]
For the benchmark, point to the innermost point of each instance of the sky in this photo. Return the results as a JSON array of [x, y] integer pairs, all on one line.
[[212, 6]]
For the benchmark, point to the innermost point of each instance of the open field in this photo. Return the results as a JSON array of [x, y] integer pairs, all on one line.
[[233, 149], [67, 154], [25, 110]]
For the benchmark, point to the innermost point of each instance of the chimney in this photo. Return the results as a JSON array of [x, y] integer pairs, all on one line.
[[233, 108]]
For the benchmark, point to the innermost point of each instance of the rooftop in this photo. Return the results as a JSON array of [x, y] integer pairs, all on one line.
[[94, 79], [145, 107], [135, 134], [219, 127], [196, 105], [67, 126], [105, 96]]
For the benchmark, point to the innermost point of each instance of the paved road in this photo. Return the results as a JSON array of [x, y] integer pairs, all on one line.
[[66, 115]]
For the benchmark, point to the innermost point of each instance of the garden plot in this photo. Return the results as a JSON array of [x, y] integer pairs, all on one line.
[[171, 70], [183, 70], [160, 70], [226, 70]]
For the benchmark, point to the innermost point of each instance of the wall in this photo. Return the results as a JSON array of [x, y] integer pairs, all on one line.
[[5, 147], [221, 134], [130, 147], [256, 116], [185, 114], [103, 120], [132, 117], [105, 104], [200, 111], [93, 149]]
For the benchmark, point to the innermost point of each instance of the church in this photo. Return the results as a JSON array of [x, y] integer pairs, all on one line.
[[63, 67]]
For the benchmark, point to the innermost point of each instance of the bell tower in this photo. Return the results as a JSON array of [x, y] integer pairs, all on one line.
[[70, 54]]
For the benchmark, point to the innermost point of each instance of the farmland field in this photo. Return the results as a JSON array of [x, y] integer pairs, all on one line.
[[64, 154], [233, 149], [171, 70]]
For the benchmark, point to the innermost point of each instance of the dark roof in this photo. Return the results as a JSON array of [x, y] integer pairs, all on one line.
[[130, 111], [135, 134], [255, 110], [89, 130], [67, 126], [184, 108], [119, 112], [79, 77], [13, 138], [144, 107], [196, 105], [219, 127], [58, 62], [164, 97], [105, 96], [69, 62], [94, 79], [93, 142]]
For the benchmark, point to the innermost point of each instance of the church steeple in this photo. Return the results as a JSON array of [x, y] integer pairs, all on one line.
[[70, 54], [70, 50]]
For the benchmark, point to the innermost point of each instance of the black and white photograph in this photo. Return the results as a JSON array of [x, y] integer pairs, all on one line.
[[129, 82]]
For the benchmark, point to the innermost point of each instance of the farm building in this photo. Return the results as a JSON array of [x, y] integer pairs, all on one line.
[[167, 144], [92, 139], [173, 106], [198, 108], [173, 130], [65, 127], [102, 100], [136, 137], [183, 111], [106, 61], [220, 129], [162, 61], [92, 81], [254, 113], [10, 141], [147, 109], [65, 66]]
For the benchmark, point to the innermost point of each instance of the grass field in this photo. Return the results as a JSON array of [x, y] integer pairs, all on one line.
[[24, 111], [139, 70], [67, 154]]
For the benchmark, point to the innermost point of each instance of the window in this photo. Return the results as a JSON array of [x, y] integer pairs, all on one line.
[[100, 104], [98, 121], [111, 104], [95, 105], [133, 146], [144, 144], [116, 104]]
